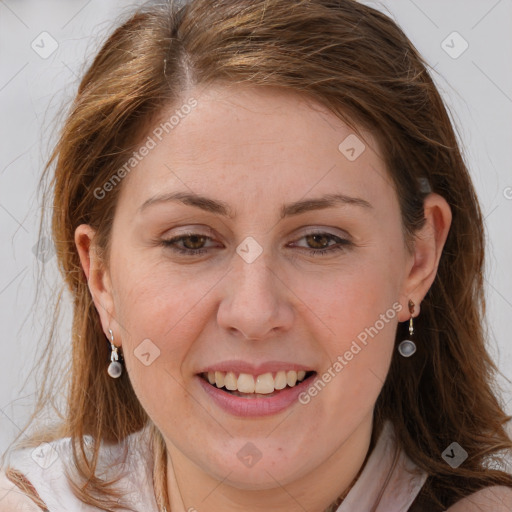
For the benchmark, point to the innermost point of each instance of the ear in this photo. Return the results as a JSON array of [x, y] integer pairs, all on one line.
[[98, 277], [428, 247]]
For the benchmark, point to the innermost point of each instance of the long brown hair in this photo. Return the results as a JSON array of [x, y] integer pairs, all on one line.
[[360, 65]]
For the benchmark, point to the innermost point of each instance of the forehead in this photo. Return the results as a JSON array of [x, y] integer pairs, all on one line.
[[260, 142]]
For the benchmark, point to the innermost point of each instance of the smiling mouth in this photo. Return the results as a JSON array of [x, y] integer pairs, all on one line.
[[261, 386]]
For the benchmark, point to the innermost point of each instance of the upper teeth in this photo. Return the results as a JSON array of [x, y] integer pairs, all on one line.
[[247, 383]]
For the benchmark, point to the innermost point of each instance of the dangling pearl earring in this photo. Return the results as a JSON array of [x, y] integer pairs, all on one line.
[[115, 369], [408, 347]]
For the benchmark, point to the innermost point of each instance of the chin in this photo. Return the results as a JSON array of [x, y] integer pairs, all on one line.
[[262, 475]]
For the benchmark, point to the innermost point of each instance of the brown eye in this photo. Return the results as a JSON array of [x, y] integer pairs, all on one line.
[[195, 241], [319, 243], [191, 243]]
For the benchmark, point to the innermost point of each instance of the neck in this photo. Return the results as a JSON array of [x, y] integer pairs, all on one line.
[[190, 488]]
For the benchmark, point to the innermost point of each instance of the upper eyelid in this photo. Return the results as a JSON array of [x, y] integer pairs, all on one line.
[[209, 232], [179, 237]]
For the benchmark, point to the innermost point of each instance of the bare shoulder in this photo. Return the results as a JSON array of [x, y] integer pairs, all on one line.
[[12, 499], [490, 499]]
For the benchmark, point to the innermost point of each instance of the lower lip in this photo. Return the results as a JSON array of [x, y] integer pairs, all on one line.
[[239, 406]]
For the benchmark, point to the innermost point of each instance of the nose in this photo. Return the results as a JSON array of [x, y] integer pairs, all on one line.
[[256, 302]]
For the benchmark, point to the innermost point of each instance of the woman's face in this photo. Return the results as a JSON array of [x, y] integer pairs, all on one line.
[[288, 256]]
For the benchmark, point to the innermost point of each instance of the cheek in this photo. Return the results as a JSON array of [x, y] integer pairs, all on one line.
[[159, 316], [161, 311], [154, 298], [353, 299], [359, 347], [359, 312]]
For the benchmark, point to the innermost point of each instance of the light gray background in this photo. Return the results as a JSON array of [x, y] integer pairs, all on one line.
[[477, 86]]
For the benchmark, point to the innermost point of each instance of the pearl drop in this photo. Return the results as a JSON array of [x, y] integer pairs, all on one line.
[[115, 369], [407, 348]]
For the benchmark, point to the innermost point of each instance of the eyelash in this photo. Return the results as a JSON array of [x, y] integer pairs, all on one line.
[[343, 244]]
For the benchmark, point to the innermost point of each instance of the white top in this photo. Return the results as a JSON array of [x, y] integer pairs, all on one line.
[[381, 487]]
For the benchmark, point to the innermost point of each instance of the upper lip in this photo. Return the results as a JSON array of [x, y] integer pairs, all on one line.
[[239, 366]]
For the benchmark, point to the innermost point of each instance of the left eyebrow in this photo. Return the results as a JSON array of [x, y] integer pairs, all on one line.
[[287, 210], [320, 203]]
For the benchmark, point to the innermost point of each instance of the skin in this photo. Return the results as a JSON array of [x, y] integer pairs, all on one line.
[[256, 149]]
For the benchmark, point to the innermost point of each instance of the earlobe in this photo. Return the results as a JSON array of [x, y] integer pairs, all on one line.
[[96, 273], [428, 247]]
